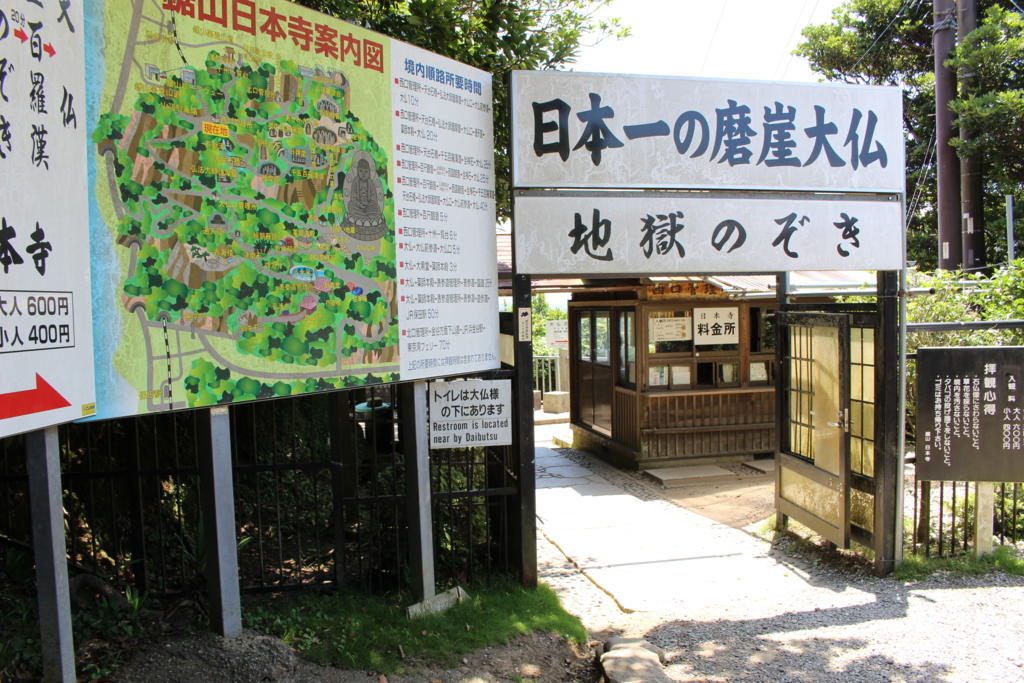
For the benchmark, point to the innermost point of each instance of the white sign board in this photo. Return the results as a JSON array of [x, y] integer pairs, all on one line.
[[699, 233], [46, 368], [445, 242], [557, 332], [466, 413], [602, 131], [716, 326], [668, 329]]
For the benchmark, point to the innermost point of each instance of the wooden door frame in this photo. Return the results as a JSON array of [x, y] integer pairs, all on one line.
[[838, 533]]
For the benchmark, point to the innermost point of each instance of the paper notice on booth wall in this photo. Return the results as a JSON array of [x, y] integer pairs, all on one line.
[[468, 413]]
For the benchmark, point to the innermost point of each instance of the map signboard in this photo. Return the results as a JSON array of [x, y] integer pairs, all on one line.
[[46, 371], [580, 130], [970, 413], [282, 203]]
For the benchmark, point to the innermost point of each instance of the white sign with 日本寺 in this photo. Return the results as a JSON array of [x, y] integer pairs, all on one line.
[[466, 413], [46, 352], [716, 326], [580, 130]]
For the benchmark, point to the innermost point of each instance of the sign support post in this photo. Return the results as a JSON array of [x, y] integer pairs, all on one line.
[[42, 460], [413, 398], [983, 510], [888, 466], [217, 492], [522, 438]]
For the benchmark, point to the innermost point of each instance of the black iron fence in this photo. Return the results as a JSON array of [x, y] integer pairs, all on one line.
[[474, 494], [320, 498], [943, 521]]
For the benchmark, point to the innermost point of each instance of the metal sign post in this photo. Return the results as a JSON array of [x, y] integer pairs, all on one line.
[[42, 460]]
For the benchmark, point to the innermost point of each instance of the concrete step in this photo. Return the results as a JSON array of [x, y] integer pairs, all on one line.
[[766, 465], [690, 475]]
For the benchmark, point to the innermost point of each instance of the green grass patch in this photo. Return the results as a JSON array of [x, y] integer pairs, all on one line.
[[917, 567], [363, 632]]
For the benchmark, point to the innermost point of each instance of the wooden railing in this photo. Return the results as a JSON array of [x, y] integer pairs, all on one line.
[[696, 424]]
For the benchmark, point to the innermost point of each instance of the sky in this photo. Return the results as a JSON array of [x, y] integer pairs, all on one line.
[[749, 39]]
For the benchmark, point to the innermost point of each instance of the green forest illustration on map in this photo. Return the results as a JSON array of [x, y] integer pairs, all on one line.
[[257, 212]]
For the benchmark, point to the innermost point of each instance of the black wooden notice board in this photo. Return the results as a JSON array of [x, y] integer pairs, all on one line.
[[970, 413]]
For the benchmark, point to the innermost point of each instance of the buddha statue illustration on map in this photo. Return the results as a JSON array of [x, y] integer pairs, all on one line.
[[364, 200]]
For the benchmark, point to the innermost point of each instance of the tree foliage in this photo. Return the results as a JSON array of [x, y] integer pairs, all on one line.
[[994, 53], [888, 42], [497, 36]]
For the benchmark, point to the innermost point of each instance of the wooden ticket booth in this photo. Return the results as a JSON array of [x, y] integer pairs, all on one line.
[[679, 373]]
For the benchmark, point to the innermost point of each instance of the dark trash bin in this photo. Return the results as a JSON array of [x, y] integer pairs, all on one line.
[[377, 422]]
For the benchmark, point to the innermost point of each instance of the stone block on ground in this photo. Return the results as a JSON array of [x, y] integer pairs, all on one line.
[[556, 402], [632, 660], [623, 641], [766, 465], [690, 475], [536, 399]]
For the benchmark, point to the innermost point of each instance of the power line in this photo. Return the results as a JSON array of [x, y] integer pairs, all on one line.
[[922, 177], [905, 5], [792, 34], [714, 34]]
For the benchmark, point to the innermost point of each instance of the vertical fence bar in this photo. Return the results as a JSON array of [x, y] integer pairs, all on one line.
[[138, 521], [42, 460]]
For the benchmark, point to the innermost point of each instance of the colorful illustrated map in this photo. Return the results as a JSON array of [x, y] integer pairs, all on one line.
[[242, 177]]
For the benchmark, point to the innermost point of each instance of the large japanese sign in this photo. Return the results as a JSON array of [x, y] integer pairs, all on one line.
[[467, 413], [695, 232], [46, 371], [970, 413], [606, 131], [284, 203]]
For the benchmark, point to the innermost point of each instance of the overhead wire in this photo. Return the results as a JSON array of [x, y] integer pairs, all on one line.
[[922, 178], [714, 35], [905, 5], [792, 34]]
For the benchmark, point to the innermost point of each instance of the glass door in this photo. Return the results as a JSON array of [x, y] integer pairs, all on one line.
[[814, 455], [594, 362]]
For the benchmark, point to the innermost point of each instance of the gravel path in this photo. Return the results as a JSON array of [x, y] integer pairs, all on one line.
[[826, 624]]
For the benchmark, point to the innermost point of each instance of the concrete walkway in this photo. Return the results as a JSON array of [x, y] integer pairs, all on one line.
[[724, 605], [651, 555]]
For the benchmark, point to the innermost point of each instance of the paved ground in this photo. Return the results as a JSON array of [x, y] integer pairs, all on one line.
[[727, 605]]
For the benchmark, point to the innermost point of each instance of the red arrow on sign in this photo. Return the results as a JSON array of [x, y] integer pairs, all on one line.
[[48, 49], [21, 35], [38, 400]]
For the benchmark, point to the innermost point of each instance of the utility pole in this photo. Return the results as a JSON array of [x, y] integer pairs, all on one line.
[[947, 166], [972, 208]]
